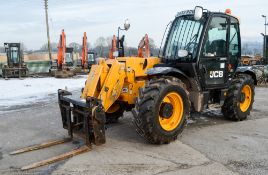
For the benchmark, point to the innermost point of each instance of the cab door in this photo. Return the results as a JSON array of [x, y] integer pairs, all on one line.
[[214, 53]]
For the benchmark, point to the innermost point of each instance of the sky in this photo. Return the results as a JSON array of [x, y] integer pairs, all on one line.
[[24, 20]]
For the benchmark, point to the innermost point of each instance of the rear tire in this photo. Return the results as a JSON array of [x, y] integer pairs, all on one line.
[[240, 98], [148, 113]]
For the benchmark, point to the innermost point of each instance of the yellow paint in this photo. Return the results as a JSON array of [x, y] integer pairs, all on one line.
[[176, 101], [111, 89], [115, 107], [118, 79], [92, 81], [248, 97]]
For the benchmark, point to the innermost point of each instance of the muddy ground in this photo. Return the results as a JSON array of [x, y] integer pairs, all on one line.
[[209, 144]]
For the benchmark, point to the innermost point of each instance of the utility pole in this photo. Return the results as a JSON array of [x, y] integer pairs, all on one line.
[[48, 37], [265, 40]]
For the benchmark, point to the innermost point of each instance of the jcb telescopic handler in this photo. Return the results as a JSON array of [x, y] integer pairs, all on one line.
[[197, 67]]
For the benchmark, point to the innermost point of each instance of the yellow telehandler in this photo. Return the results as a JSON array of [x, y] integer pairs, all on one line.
[[198, 66]]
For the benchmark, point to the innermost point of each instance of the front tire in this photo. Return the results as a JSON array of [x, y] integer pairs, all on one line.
[[161, 110], [240, 98]]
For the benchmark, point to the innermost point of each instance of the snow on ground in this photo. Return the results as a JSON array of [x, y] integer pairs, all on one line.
[[15, 92]]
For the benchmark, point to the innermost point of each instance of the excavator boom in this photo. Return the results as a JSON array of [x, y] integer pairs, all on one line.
[[84, 52], [61, 50], [144, 43], [113, 48], [63, 66]]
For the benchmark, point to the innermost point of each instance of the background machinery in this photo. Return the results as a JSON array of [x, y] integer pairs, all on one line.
[[91, 56], [255, 64], [63, 66], [113, 48], [87, 58], [198, 67], [15, 66], [144, 44], [117, 47]]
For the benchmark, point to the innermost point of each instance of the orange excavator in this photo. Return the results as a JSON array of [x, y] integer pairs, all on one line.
[[88, 58], [61, 50], [63, 66], [113, 48], [144, 43], [84, 60]]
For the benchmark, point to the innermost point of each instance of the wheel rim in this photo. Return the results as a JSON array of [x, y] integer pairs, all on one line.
[[247, 92], [174, 120], [113, 108]]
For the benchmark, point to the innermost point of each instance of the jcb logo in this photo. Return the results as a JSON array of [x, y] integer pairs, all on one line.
[[216, 74]]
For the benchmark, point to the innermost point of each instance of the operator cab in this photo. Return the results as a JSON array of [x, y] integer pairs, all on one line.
[[91, 59], [13, 54], [204, 45]]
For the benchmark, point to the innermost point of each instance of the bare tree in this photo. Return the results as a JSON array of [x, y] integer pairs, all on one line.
[[89, 46], [77, 47], [245, 49], [154, 50], [100, 42], [109, 41], [54, 47], [23, 46], [152, 43], [131, 51], [2, 49], [101, 47]]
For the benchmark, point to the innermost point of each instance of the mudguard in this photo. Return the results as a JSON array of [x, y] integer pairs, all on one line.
[[166, 71], [247, 70]]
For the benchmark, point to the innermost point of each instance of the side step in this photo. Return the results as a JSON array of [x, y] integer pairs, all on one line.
[[54, 159]]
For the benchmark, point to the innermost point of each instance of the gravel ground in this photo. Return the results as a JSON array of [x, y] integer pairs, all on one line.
[[209, 145]]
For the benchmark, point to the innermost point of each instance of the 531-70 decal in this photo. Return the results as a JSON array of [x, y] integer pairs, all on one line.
[[216, 74]]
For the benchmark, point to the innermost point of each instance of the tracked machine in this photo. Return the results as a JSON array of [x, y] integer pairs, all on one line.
[[88, 58], [63, 66], [197, 67], [15, 67]]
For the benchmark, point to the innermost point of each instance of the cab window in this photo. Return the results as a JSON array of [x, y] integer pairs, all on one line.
[[234, 50], [216, 38]]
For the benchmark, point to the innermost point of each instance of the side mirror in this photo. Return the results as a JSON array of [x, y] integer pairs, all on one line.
[[198, 13], [182, 53], [126, 24]]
